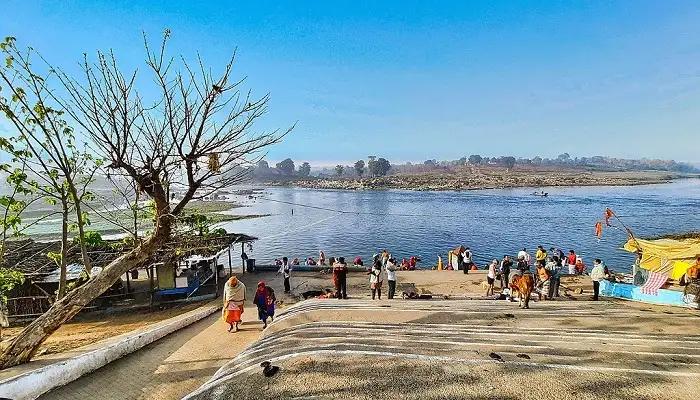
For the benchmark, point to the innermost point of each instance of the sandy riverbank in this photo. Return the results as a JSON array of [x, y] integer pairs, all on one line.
[[442, 284], [489, 178]]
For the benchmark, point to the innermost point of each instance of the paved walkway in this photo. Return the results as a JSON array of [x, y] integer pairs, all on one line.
[[169, 368]]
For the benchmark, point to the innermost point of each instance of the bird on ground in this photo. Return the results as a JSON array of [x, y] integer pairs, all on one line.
[[269, 370], [496, 357]]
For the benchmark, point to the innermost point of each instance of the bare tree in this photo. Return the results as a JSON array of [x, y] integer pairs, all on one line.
[[196, 136], [124, 198]]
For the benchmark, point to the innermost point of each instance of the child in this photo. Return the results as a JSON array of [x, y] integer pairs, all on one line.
[[271, 299]]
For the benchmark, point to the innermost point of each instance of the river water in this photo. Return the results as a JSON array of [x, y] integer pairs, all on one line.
[[491, 222]]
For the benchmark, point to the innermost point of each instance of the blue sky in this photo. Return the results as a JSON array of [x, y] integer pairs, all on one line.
[[411, 80]]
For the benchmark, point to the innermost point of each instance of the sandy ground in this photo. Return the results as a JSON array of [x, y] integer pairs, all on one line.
[[453, 284], [92, 327]]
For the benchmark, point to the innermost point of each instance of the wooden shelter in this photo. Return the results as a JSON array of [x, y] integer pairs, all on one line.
[[42, 274]]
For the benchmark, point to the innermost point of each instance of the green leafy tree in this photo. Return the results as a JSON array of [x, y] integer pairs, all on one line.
[[305, 169], [63, 168], [16, 201], [379, 167], [9, 279], [475, 159], [359, 167], [286, 166], [91, 239], [509, 162], [197, 223], [339, 170]]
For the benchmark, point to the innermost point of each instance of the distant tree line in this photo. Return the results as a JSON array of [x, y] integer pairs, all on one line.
[[562, 160], [378, 166], [286, 169]]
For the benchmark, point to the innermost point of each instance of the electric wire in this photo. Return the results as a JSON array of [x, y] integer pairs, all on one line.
[[371, 213]]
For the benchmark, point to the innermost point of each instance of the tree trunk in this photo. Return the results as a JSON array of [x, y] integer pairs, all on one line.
[[23, 347], [64, 252], [81, 232], [135, 211]]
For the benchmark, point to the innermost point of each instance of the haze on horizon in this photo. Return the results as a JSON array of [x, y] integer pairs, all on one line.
[[413, 81]]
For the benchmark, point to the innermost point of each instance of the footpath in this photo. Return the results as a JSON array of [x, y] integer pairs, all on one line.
[[169, 368]]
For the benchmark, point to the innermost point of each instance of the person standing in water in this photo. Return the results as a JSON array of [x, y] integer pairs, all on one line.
[[375, 280], [234, 297], [391, 267], [286, 271]]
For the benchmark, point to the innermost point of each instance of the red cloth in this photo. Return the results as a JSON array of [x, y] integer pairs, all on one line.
[[233, 316], [653, 283]]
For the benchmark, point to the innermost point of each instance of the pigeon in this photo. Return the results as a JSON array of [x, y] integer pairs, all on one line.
[[268, 369], [496, 357]]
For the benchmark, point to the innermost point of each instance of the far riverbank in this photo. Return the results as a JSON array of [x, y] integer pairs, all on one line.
[[489, 178]]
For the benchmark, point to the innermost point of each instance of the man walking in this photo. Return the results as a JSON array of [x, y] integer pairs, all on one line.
[[286, 271]]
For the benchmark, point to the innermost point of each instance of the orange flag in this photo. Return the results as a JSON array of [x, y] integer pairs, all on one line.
[[608, 214], [599, 229]]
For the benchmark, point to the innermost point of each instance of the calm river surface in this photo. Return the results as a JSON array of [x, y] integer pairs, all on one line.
[[491, 222]]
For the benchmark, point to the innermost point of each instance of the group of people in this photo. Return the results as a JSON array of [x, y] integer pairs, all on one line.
[[382, 265], [548, 270]]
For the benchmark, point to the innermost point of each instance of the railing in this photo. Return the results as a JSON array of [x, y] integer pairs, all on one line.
[[28, 306]]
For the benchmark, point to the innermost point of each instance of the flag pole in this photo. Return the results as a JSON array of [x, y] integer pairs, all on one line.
[[629, 231]]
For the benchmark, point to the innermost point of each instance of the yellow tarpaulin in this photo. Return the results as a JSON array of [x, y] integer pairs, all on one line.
[[666, 255]]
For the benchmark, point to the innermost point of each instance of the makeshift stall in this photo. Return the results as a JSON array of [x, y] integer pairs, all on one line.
[[663, 262]]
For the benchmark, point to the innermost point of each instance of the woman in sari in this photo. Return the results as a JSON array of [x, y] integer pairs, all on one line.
[[260, 300], [234, 297]]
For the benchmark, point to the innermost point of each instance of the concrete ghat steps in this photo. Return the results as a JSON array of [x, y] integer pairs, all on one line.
[[320, 328]]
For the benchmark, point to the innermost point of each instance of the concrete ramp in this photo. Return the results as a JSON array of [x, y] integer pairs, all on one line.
[[468, 349]]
